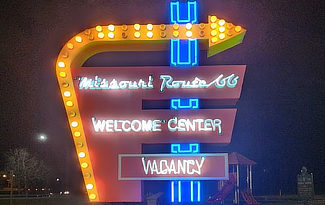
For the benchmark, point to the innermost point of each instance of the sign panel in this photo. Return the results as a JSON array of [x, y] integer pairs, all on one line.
[[222, 83], [110, 101], [171, 166]]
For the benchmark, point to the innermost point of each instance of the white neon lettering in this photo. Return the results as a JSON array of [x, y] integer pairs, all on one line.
[[133, 125], [174, 121], [187, 125], [147, 126], [173, 125], [102, 83], [190, 162], [163, 171], [109, 125], [146, 165], [124, 127], [99, 126], [220, 82], [199, 165], [167, 82], [156, 126], [163, 167]]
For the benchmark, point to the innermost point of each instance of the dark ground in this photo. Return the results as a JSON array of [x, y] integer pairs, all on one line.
[[73, 200]]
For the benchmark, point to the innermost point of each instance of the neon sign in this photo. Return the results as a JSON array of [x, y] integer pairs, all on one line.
[[168, 82], [118, 111], [102, 83], [163, 166], [174, 125], [220, 82], [179, 104], [170, 166]]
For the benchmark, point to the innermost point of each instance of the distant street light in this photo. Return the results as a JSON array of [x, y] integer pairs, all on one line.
[[42, 138], [4, 176]]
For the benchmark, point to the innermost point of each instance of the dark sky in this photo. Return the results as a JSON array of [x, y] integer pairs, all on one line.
[[281, 114]]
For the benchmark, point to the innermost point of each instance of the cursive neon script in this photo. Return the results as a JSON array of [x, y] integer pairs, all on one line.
[[220, 82], [102, 83], [167, 82]]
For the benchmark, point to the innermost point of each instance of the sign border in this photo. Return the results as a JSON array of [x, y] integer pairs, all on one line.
[[173, 178]]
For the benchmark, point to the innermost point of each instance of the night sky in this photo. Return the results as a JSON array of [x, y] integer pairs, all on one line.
[[280, 122]]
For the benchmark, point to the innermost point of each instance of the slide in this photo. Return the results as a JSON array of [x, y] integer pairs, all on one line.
[[225, 191], [248, 197]]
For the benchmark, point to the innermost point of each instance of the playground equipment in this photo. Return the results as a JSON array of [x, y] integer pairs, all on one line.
[[248, 197], [225, 190], [236, 160]]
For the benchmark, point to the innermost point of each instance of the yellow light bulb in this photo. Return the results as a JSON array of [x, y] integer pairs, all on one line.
[[189, 33], [188, 26], [175, 26], [222, 29], [101, 35], [213, 25], [214, 39], [69, 103], [70, 46], [89, 186], [110, 35], [78, 39], [137, 27], [213, 19], [63, 74], [77, 134], [238, 29], [67, 94], [61, 64], [92, 196], [175, 33], [99, 28], [222, 35], [111, 27], [150, 34], [221, 22], [137, 34], [84, 165], [149, 27], [74, 124], [213, 33], [81, 154]]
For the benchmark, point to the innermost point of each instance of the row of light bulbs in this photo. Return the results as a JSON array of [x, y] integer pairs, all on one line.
[[75, 124]]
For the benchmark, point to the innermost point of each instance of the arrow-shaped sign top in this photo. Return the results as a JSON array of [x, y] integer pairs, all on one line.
[[216, 36]]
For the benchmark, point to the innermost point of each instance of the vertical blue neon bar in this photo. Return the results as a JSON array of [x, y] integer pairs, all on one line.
[[198, 191], [183, 53], [179, 191], [172, 192], [186, 190], [192, 191]]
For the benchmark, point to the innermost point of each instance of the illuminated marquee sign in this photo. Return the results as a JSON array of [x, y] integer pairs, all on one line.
[[169, 166], [110, 109]]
